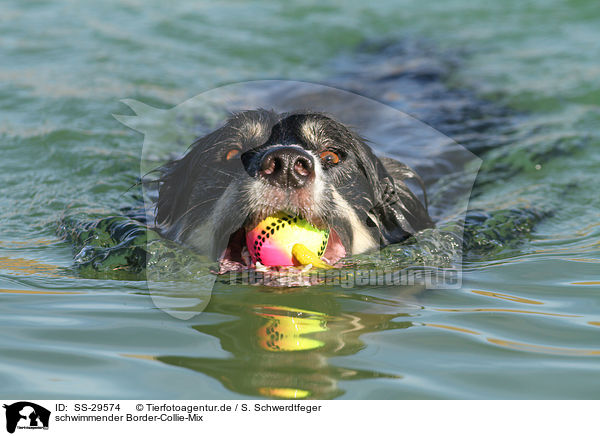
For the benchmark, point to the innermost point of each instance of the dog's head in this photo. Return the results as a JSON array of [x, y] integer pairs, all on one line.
[[308, 164]]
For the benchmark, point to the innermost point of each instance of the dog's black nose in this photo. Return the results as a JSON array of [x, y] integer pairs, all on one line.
[[287, 167]]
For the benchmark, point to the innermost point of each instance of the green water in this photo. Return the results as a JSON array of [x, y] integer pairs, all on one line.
[[526, 322]]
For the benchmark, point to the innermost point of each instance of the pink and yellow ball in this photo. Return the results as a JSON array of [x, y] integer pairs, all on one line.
[[271, 241]]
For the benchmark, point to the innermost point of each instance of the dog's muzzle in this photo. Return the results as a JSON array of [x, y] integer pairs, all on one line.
[[287, 167]]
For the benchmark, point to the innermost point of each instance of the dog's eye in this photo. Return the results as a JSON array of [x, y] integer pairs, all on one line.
[[329, 157], [232, 153]]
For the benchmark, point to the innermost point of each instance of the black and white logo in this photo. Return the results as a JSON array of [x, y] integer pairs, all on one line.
[[26, 415]]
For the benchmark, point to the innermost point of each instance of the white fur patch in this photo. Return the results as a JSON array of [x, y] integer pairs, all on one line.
[[318, 182], [310, 131], [253, 129], [362, 240]]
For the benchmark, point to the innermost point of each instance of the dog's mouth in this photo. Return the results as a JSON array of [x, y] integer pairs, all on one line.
[[236, 256]]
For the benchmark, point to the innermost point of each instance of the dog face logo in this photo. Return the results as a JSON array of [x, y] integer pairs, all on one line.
[[26, 415], [309, 154]]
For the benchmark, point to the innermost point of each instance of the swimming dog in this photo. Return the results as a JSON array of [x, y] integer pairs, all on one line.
[[308, 164]]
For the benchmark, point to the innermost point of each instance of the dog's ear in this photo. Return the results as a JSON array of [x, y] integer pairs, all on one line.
[[400, 172], [176, 181], [178, 178], [398, 211]]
